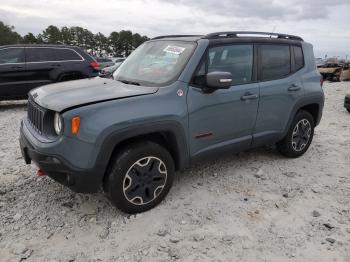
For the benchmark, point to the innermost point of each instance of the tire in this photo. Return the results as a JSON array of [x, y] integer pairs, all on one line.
[[133, 183], [348, 109], [299, 135]]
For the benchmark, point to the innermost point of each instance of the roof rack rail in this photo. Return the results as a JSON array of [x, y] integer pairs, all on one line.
[[237, 33], [169, 36]]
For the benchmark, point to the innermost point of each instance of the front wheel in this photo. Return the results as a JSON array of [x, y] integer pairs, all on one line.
[[140, 177], [299, 135]]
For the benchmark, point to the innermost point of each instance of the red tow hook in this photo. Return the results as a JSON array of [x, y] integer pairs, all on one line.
[[40, 173]]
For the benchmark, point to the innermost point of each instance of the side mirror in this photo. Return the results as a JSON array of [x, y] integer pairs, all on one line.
[[219, 80]]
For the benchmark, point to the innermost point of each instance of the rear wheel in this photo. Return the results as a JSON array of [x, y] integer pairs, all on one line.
[[140, 177], [299, 136]]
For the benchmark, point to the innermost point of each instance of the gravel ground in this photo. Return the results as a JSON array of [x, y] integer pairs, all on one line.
[[254, 206]]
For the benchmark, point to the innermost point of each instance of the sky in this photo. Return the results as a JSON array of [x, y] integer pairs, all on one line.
[[324, 23]]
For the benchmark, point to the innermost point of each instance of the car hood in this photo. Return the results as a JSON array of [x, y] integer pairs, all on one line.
[[64, 95]]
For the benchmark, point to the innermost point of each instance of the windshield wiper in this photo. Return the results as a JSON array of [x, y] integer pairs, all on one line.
[[129, 82]]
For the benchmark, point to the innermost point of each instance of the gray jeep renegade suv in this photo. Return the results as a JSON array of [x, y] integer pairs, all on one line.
[[175, 100]]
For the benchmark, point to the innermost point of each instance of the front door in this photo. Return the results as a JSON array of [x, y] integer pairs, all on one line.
[[224, 118], [12, 72]]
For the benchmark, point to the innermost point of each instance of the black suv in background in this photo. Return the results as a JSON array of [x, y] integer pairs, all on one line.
[[24, 67]]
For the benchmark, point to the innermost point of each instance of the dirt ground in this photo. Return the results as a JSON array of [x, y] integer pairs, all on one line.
[[254, 206]]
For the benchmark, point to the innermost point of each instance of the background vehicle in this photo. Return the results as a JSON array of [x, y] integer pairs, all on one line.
[[347, 102], [335, 70], [222, 92], [118, 59], [107, 72], [104, 62], [320, 62], [345, 74], [331, 71], [24, 67]]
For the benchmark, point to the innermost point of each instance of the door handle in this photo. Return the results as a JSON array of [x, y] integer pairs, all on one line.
[[55, 65], [294, 87], [16, 67], [249, 96]]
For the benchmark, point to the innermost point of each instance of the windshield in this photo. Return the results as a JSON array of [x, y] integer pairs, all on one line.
[[155, 63]]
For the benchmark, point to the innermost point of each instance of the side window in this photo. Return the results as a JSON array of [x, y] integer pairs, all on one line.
[[236, 59], [298, 57], [11, 55], [40, 54], [66, 54], [275, 61]]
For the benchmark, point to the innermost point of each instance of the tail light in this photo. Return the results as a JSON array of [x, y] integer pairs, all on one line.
[[321, 81], [40, 173], [95, 65]]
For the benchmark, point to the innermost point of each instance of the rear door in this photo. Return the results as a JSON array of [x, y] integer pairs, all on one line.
[[69, 62], [280, 88], [12, 72], [40, 64]]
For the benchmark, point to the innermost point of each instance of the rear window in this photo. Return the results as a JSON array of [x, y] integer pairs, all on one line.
[[298, 57], [66, 54], [11, 55], [275, 61]]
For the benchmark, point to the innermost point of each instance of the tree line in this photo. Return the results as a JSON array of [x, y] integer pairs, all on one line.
[[116, 44]]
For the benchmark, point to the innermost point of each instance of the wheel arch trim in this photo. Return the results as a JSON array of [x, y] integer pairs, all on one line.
[[115, 138], [316, 99]]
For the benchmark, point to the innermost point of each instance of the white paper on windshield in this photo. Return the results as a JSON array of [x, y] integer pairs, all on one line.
[[176, 50]]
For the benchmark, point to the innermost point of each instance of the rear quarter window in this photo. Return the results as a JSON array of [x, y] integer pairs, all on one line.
[[298, 57], [275, 61], [66, 54]]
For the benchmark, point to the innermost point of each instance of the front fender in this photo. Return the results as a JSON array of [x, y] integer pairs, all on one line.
[[111, 140]]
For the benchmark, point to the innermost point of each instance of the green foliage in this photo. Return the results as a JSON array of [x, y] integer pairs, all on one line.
[[101, 44], [29, 39], [116, 44], [8, 35], [52, 35]]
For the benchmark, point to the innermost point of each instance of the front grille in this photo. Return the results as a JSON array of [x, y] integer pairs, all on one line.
[[36, 116]]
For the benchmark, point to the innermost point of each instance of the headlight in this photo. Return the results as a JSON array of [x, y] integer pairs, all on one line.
[[58, 123]]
